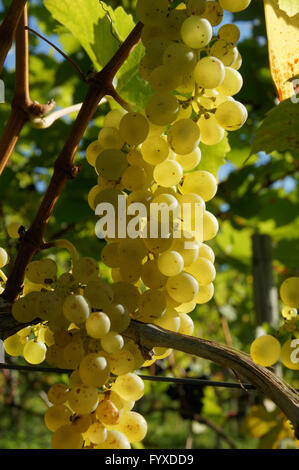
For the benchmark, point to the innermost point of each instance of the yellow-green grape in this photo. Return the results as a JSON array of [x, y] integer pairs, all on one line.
[[156, 237], [195, 7], [163, 109], [120, 403], [129, 386], [76, 309], [232, 82], [192, 210], [131, 249], [200, 182], [110, 138], [94, 370], [75, 379], [66, 437], [168, 173], [151, 12], [96, 433], [48, 305], [108, 196], [54, 356], [152, 303], [288, 313], [170, 263], [13, 229], [46, 336], [205, 294], [170, 320], [162, 79], [112, 342], [134, 128], [289, 292], [42, 272], [225, 52], [210, 226], [238, 62], [99, 294], [31, 287], [111, 164], [155, 149], [234, 5], [183, 137], [161, 353], [107, 413], [134, 157], [211, 133], [115, 440], [73, 353], [133, 178], [186, 307], [179, 58], [85, 269], [57, 394], [186, 325], [83, 399], [92, 152], [98, 325], [196, 32], [151, 276], [189, 161], [155, 49], [187, 85], [57, 416], [219, 99], [150, 31], [62, 338], [183, 287], [13, 345], [231, 115], [133, 425], [121, 362], [81, 423], [110, 256], [187, 247], [126, 294], [93, 192], [173, 22], [290, 354], [119, 317], [203, 270], [213, 12], [209, 72], [35, 351], [229, 33], [113, 118], [265, 350]]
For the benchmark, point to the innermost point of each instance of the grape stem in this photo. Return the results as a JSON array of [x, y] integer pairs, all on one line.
[[3, 276]]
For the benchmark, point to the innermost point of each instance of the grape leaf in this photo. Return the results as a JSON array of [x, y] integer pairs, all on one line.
[[291, 7], [279, 130], [213, 157]]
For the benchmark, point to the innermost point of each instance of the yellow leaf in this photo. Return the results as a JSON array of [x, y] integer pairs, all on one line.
[[259, 422], [283, 44]]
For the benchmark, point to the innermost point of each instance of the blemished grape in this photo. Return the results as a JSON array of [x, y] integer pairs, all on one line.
[[213, 12], [152, 303], [170, 263], [99, 294], [94, 370], [98, 325], [134, 128], [202, 183], [225, 52], [289, 292], [196, 32], [209, 72], [229, 33], [133, 426], [83, 399], [121, 362], [231, 115], [66, 437], [179, 59], [162, 79], [154, 149], [57, 416], [234, 5], [265, 350], [115, 440], [42, 272], [151, 12], [76, 309], [129, 386], [85, 269], [168, 173], [162, 110], [183, 137], [151, 276], [57, 395], [195, 7], [183, 287], [111, 164], [232, 82]]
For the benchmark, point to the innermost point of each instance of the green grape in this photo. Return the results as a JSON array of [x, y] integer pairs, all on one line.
[[151, 12], [289, 292], [109, 196], [96, 433], [203, 270], [179, 59], [183, 287], [25, 310], [92, 152], [73, 353], [211, 133], [225, 52], [151, 276], [111, 164], [112, 342], [146, 67], [162, 79], [57, 416], [205, 251], [34, 351], [54, 356], [94, 370], [183, 137], [289, 354], [265, 350], [229, 33], [92, 194], [186, 246], [187, 85], [76, 309], [150, 31], [113, 118], [238, 62], [168, 173], [231, 115], [126, 294], [189, 161], [152, 304], [170, 263], [202, 183], [210, 226], [213, 12], [232, 82], [110, 138], [155, 149], [156, 236], [195, 7], [289, 313], [234, 5], [115, 440], [205, 294], [173, 23], [13, 345], [187, 325], [119, 317], [209, 72], [83, 399], [85, 269], [13, 230], [134, 128], [99, 294], [121, 362], [170, 321], [162, 110], [129, 386], [155, 49], [75, 379], [81, 423], [196, 32], [97, 325], [110, 255], [133, 426], [164, 205], [42, 272], [134, 178], [134, 157], [66, 437], [192, 210], [186, 307], [131, 250], [57, 394]]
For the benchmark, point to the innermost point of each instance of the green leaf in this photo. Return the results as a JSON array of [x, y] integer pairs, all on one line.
[[213, 157], [291, 7], [279, 130]]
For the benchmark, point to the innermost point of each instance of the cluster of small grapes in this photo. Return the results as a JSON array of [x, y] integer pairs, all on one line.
[[266, 350]]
